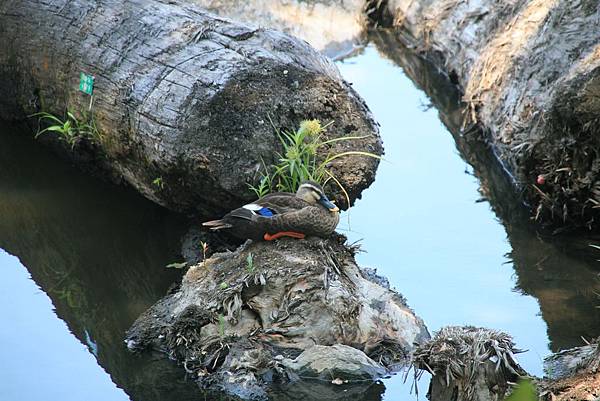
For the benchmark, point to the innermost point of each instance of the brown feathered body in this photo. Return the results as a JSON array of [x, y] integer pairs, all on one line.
[[275, 213]]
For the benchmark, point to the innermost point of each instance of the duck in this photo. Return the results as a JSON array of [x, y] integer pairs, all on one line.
[[308, 212]]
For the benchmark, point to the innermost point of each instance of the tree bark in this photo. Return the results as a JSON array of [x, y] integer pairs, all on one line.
[[530, 74], [334, 27], [180, 94]]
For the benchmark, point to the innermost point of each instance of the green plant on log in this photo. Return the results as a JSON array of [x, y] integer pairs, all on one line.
[[159, 183], [69, 129], [299, 160]]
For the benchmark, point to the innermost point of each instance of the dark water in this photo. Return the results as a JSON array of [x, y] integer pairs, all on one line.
[[81, 259]]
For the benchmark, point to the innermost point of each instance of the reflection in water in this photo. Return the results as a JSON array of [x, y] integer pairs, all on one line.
[[98, 252], [567, 288], [561, 273]]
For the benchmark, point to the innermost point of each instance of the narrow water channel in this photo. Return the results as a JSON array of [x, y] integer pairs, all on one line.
[[81, 259]]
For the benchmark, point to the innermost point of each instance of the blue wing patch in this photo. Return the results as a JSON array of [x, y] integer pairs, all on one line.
[[260, 210], [265, 211]]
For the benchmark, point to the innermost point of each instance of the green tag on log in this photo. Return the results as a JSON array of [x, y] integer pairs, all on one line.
[[86, 83]]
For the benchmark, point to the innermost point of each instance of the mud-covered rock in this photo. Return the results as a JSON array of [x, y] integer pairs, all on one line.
[[244, 319], [340, 362], [187, 103]]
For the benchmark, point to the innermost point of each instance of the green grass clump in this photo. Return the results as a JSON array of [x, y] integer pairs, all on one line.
[[299, 161], [70, 129]]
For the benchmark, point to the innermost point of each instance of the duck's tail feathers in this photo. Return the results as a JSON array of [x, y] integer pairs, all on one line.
[[215, 225]]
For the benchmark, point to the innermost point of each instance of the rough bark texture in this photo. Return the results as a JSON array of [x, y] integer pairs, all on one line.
[[574, 375], [334, 27], [240, 323], [530, 73], [180, 94]]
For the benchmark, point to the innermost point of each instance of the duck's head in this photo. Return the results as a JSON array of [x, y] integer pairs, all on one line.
[[313, 193]]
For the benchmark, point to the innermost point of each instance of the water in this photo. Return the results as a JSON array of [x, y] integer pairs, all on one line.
[[422, 226], [81, 259]]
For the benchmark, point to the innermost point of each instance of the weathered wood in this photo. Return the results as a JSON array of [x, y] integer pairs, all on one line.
[[180, 94], [530, 72], [468, 364], [572, 374], [334, 27]]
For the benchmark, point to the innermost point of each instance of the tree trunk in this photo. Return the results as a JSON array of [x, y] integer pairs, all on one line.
[[530, 74], [184, 100], [334, 27]]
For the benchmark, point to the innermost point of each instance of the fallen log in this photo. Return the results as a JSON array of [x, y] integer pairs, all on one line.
[[281, 312], [572, 374], [530, 74], [334, 27], [187, 103]]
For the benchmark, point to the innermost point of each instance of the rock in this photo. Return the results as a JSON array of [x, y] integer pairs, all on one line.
[[340, 362], [572, 374], [292, 308], [568, 362]]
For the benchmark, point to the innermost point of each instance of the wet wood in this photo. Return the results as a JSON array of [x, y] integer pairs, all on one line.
[[530, 74]]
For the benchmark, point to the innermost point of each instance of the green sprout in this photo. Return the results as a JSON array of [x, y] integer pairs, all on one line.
[[300, 162], [158, 182], [524, 391], [70, 129], [221, 325]]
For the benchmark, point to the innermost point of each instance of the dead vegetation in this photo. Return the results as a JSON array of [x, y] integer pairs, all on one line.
[[469, 362], [244, 315]]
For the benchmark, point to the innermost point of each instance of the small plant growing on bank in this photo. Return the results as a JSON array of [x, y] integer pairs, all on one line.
[[70, 129], [158, 183], [299, 161]]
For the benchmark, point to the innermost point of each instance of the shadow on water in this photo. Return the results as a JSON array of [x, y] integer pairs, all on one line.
[[561, 273], [97, 250]]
